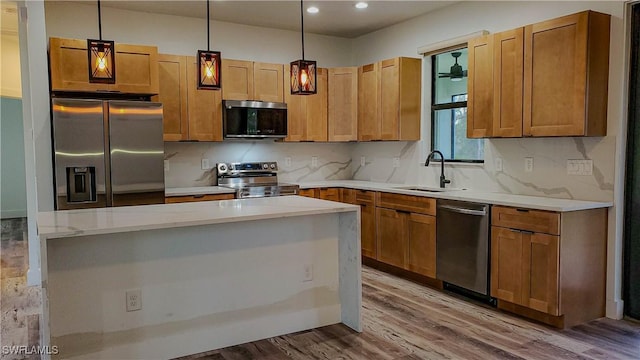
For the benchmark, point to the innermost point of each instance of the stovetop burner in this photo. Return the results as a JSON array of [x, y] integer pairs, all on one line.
[[254, 179]]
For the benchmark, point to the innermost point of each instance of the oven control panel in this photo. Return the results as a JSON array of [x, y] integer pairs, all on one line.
[[248, 167]]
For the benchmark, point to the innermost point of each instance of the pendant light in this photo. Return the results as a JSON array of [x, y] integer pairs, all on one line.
[[102, 65], [209, 64], [303, 72]]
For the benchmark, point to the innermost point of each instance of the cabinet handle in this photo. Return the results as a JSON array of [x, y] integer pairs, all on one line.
[[522, 210], [403, 212], [516, 231], [198, 196], [526, 232]]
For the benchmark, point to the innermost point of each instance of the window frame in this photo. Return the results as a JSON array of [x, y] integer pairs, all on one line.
[[446, 106]]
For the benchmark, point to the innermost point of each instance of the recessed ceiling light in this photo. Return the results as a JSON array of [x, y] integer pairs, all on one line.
[[312, 10], [362, 5]]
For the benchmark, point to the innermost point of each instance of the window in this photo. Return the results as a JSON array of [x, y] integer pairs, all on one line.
[[449, 109]]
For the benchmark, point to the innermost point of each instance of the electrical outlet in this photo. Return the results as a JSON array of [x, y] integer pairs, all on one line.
[[308, 272], [314, 162], [396, 162], [205, 164], [528, 164], [580, 167], [363, 160], [134, 300], [287, 161], [166, 165], [498, 163]]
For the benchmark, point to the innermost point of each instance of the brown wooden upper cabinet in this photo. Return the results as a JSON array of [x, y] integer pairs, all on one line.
[[566, 72], [343, 104], [248, 80], [546, 79], [136, 68], [307, 114], [189, 113], [389, 100]]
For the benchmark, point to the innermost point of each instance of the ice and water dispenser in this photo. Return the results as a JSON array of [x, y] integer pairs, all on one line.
[[81, 184]]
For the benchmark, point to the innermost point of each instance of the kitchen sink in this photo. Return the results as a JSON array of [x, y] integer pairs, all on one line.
[[426, 189]]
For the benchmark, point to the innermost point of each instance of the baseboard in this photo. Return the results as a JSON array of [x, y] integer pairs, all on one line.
[[615, 309], [10, 214]]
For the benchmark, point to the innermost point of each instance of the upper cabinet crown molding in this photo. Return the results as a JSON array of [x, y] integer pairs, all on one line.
[[136, 68], [549, 79]]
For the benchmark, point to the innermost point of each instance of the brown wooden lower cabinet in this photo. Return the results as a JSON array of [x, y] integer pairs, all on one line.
[[421, 244], [332, 194], [557, 277], [194, 198], [312, 193], [407, 240]]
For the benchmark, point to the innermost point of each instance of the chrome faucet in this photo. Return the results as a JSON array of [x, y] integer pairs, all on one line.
[[443, 180]]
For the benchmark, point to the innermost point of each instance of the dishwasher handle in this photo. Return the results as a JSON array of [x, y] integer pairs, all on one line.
[[463, 210]]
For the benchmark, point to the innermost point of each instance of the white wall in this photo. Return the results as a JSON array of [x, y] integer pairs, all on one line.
[[550, 155], [10, 66]]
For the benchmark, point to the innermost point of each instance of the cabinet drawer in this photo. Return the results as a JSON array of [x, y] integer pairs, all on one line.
[[312, 193], [525, 219], [414, 204], [348, 196], [365, 197], [332, 194], [194, 198]]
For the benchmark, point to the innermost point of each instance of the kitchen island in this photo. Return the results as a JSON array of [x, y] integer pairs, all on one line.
[[205, 275]]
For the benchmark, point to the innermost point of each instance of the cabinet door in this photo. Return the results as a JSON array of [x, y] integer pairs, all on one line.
[[421, 244], [316, 109], [368, 103], [507, 79], [332, 194], [237, 79], [480, 86], [296, 113], [268, 82], [136, 69], [540, 269], [368, 230], [172, 72], [205, 108], [555, 70], [506, 264], [343, 104], [312, 193], [389, 99], [391, 237], [410, 106], [69, 66]]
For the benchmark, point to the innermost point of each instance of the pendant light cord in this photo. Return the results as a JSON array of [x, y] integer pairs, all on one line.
[[99, 21], [208, 40], [302, 27]]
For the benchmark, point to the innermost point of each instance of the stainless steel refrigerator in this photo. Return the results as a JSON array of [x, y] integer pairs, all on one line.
[[107, 153]]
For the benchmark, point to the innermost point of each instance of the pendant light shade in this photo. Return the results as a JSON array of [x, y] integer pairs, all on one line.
[[303, 72], [209, 64], [101, 54]]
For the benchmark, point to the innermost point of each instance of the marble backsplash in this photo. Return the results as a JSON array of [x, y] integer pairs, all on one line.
[[548, 178], [334, 160], [340, 161]]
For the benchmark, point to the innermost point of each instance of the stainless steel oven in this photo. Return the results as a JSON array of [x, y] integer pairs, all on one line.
[[253, 179]]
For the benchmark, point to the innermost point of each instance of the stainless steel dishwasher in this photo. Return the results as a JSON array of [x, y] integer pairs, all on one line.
[[462, 245]]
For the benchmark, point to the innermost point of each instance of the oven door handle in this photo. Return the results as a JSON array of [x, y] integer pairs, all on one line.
[[463, 210]]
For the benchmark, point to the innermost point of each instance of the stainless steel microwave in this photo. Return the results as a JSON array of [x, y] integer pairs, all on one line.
[[254, 119]]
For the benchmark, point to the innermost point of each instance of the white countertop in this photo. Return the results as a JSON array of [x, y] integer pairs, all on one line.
[[201, 190], [524, 201], [69, 223]]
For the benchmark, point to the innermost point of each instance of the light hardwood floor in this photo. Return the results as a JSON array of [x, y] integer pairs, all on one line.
[[402, 320]]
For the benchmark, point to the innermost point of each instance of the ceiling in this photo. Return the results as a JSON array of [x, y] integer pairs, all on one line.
[[336, 18]]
